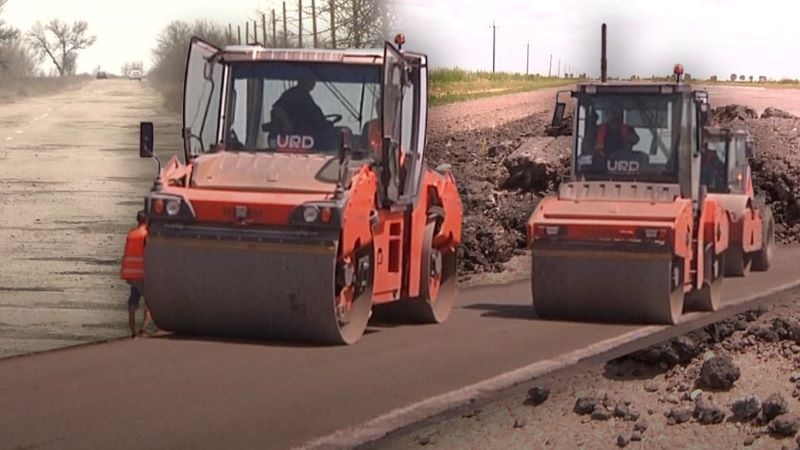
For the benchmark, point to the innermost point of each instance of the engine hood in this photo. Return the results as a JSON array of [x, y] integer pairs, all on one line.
[[265, 172], [606, 210]]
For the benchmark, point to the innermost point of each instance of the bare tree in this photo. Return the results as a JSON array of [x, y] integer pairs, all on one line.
[[63, 47], [733, 77], [339, 23], [7, 32], [169, 56]]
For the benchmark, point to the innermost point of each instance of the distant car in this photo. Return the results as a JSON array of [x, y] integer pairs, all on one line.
[[135, 74], [102, 75]]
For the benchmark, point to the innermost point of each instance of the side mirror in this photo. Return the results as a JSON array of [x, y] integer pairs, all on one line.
[[749, 149], [558, 115], [558, 118], [703, 114], [146, 140]]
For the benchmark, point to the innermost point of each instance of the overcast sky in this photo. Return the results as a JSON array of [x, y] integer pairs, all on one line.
[[707, 36]]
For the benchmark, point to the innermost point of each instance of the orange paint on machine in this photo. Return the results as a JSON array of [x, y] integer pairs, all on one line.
[[303, 205]]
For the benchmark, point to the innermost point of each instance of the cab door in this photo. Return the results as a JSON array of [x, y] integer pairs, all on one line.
[[202, 91], [392, 117]]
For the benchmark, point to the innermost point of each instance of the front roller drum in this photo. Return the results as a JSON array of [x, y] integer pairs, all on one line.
[[599, 286], [251, 290]]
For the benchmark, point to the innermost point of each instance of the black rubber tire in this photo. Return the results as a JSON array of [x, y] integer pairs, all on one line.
[[762, 259]]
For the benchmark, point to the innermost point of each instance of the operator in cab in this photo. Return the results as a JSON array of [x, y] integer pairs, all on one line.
[[614, 135], [712, 169], [299, 115]]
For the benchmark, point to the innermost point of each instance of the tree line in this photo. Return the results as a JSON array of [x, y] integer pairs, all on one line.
[[292, 24]]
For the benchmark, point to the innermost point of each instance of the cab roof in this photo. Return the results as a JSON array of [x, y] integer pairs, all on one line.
[[633, 88], [235, 53]]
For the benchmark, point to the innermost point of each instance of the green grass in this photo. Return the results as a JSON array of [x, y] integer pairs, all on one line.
[[458, 85], [785, 83]]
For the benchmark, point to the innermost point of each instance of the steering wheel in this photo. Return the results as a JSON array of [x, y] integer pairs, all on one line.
[[333, 118]]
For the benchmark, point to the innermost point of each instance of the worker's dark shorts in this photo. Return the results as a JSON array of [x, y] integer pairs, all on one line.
[[136, 295]]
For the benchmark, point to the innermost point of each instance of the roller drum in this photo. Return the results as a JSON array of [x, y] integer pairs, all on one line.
[[607, 286], [256, 290]]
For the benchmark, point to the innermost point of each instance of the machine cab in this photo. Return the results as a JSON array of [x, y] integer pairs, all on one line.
[[725, 161], [347, 107], [636, 133]]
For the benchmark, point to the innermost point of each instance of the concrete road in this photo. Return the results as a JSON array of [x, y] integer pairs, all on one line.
[[180, 393], [71, 183]]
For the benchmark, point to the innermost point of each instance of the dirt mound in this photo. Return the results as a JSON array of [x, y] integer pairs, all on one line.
[[729, 113], [776, 169], [775, 112], [499, 186]]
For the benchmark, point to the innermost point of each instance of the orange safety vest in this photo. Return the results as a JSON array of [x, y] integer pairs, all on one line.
[[600, 139], [133, 259]]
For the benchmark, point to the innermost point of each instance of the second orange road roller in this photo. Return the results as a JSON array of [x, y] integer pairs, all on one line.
[[303, 200], [632, 235]]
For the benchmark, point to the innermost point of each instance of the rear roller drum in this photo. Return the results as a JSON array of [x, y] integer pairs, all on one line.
[[737, 262], [762, 259], [437, 290]]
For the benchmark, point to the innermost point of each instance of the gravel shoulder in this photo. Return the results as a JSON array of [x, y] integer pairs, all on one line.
[[659, 391]]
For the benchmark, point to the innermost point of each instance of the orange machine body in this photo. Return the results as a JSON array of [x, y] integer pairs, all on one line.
[[396, 237], [133, 259]]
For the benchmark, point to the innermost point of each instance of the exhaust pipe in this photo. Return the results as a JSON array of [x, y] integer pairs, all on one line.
[[603, 62]]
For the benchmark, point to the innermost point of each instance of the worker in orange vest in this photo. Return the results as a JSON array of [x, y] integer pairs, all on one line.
[[133, 270], [614, 136]]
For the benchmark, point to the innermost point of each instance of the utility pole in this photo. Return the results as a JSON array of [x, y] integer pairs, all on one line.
[[314, 22], [300, 23], [494, 44], [528, 59], [246, 32], [230, 31], [550, 67], [285, 28], [333, 24], [558, 72], [264, 29], [274, 29], [239, 33]]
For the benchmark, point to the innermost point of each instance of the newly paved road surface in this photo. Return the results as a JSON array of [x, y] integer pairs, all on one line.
[[171, 393], [63, 159]]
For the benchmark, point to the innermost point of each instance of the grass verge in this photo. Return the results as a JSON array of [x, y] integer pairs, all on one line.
[[457, 85]]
